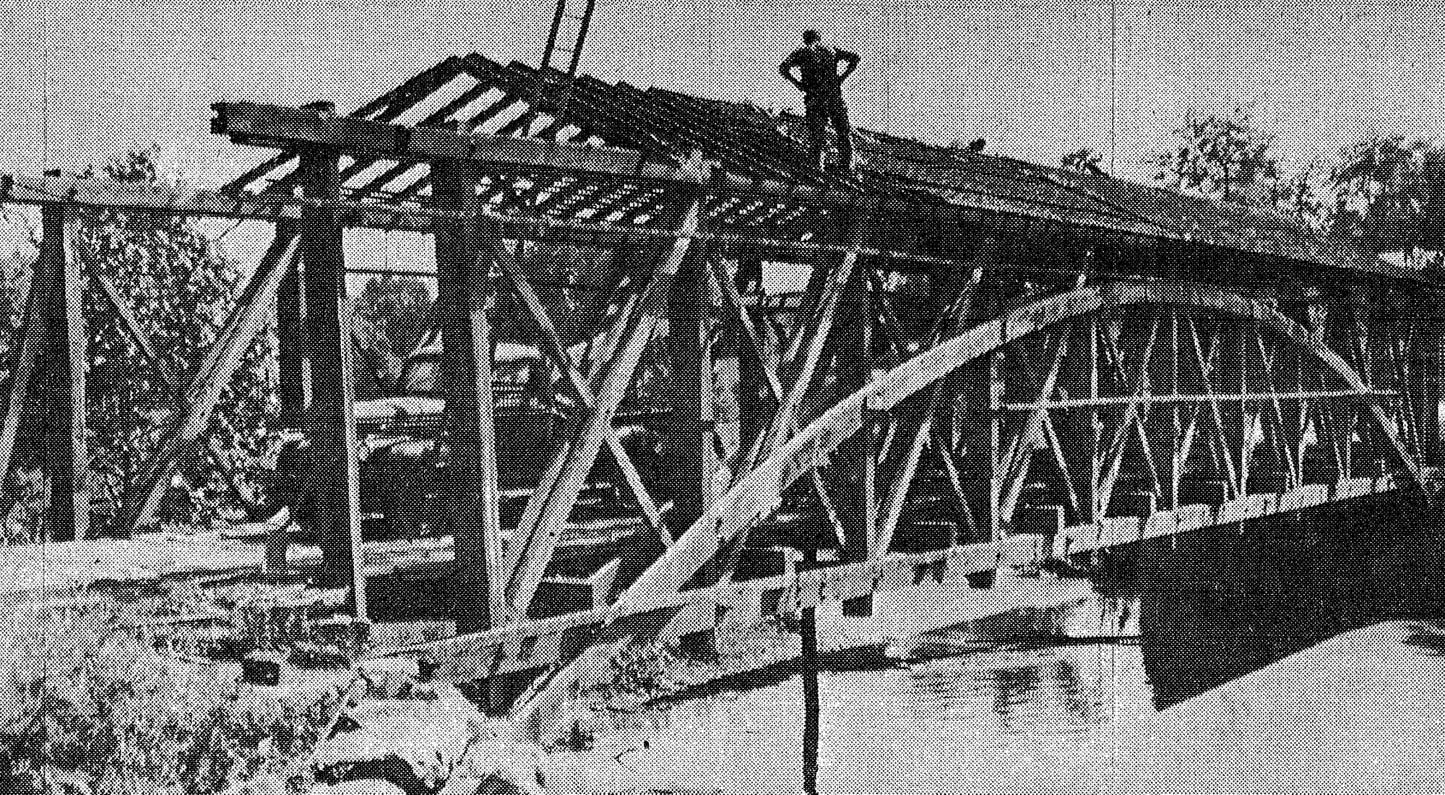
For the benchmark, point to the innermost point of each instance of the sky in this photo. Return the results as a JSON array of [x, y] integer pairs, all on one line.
[[84, 79]]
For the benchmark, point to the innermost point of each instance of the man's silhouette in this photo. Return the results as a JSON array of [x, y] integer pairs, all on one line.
[[822, 87]]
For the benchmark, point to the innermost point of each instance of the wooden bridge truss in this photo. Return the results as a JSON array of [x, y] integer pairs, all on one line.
[[972, 381]]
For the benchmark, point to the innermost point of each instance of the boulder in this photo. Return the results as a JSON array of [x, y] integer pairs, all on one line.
[[413, 744]]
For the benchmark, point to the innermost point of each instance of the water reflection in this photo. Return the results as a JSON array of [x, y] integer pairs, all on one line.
[[1025, 713]]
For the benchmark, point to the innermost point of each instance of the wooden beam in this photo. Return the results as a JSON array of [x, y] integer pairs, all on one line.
[[754, 351], [131, 326], [1139, 387], [209, 382], [806, 352], [67, 450], [33, 339], [915, 420], [545, 517], [330, 421], [763, 384], [856, 469], [462, 264], [293, 370], [691, 459], [1014, 464], [1220, 436], [581, 391]]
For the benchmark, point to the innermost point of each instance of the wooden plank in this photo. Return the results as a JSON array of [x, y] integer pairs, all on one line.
[[293, 370], [1201, 398], [34, 337], [915, 421], [800, 368], [204, 391], [462, 261], [67, 450], [546, 513], [856, 470], [273, 125], [581, 391], [690, 456], [131, 325], [330, 421]]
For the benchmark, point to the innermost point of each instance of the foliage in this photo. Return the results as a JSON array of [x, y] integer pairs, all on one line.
[[180, 289], [1221, 157], [1084, 161], [398, 306], [86, 709], [1389, 196]]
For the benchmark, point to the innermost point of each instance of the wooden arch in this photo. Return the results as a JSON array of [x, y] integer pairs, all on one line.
[[760, 490]]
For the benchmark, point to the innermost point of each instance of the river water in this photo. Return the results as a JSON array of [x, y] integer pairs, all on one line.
[[1019, 711]]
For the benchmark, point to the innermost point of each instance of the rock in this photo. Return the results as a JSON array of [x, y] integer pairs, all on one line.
[[411, 743], [498, 766], [390, 677]]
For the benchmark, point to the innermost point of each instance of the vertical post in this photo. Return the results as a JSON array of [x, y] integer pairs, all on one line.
[[293, 372], [995, 447], [753, 400], [330, 421], [467, 374], [67, 453], [1176, 464], [812, 707], [858, 455], [692, 456], [1234, 412], [1429, 381], [1096, 426], [1080, 436]]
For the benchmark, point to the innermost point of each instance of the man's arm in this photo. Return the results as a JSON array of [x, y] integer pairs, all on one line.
[[786, 70], [850, 62]]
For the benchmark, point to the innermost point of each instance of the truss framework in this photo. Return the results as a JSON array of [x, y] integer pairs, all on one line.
[[966, 383]]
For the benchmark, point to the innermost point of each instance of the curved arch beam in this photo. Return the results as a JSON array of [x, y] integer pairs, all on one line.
[[760, 490]]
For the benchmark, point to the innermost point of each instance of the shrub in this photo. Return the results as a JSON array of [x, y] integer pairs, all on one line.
[[89, 709]]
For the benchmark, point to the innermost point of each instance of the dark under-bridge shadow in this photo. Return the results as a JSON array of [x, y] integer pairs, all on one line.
[[1218, 604]]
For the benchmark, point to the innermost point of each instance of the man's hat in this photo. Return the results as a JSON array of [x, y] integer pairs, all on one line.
[[811, 36]]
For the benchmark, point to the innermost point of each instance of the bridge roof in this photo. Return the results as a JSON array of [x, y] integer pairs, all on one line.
[[768, 148]]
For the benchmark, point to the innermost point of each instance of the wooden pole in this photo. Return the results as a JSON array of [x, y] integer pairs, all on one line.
[[692, 457], [545, 517], [812, 707], [32, 342], [67, 452], [207, 384], [858, 456], [467, 375], [754, 399], [330, 422], [293, 371], [1428, 350]]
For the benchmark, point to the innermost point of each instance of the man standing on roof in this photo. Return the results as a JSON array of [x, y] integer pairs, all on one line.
[[822, 87]]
